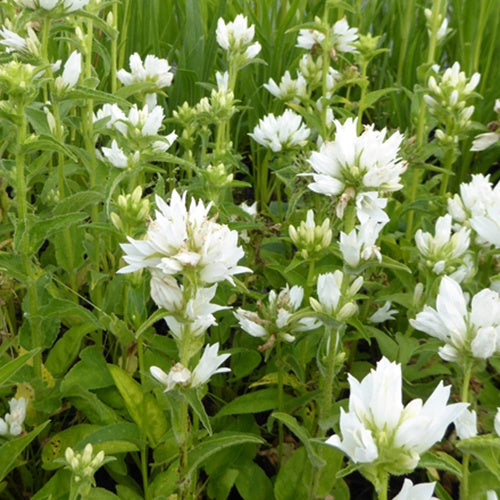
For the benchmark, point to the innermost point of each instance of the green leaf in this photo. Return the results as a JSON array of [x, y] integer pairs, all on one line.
[[48, 143], [165, 483], [252, 482], [136, 88], [303, 435], [253, 402], [71, 311], [193, 398], [372, 97], [142, 407], [56, 488], [82, 92], [77, 202], [208, 447], [486, 449], [441, 461], [10, 368], [12, 264], [10, 451]]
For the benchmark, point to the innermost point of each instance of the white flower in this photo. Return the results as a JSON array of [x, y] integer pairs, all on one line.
[[181, 238], [384, 313], [484, 141], [115, 155], [153, 69], [422, 491], [487, 226], [284, 131], [344, 36], [178, 375], [308, 38], [166, 292], [12, 423], [441, 249], [378, 429], [147, 122], [222, 80], [496, 423], [475, 333], [288, 89], [237, 36], [67, 5], [360, 244], [310, 238], [251, 210], [369, 206], [208, 365], [466, 424], [366, 163], [71, 72], [331, 301], [12, 41]]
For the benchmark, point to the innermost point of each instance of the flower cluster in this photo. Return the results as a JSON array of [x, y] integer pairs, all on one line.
[[282, 132], [361, 166], [309, 238], [474, 333], [208, 365], [478, 206], [12, 423], [66, 6], [236, 37], [382, 434], [84, 465], [276, 320], [341, 38]]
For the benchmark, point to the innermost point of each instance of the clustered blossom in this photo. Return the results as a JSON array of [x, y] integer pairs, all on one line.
[[66, 5], [341, 36], [361, 166], [276, 319], [288, 88], [153, 69], [84, 465], [12, 423], [410, 491], [179, 375], [236, 36], [466, 333], [382, 434], [13, 42], [185, 239], [70, 74], [442, 250], [360, 243], [466, 424], [478, 206], [336, 296], [281, 132]]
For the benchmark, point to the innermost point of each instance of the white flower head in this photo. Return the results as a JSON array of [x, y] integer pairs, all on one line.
[[282, 132], [410, 491], [288, 88], [466, 424], [153, 69], [178, 375], [309, 238], [474, 332], [383, 314], [237, 36], [344, 37], [360, 243], [115, 155], [442, 249], [12, 423], [496, 423], [367, 162], [379, 430], [308, 38], [484, 141], [66, 5], [71, 72], [186, 238], [209, 365]]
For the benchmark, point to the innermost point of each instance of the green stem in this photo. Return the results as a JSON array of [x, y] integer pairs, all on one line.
[[349, 217], [449, 159], [364, 85], [383, 486], [20, 178], [144, 447], [281, 403], [327, 396], [464, 483], [405, 31], [114, 48]]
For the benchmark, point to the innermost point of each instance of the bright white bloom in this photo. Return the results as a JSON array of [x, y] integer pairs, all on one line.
[[12, 423], [222, 80], [309, 238], [466, 424], [196, 316], [186, 239], [422, 491], [369, 206], [379, 430], [496, 423], [208, 365], [115, 116], [442, 249], [288, 88], [166, 292], [344, 36], [359, 244], [153, 69], [384, 313], [251, 210], [308, 38], [71, 72], [67, 5], [145, 121], [276, 318], [12, 41], [331, 301], [491, 495], [484, 141], [115, 155], [237, 36], [364, 163], [284, 131], [466, 333]]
